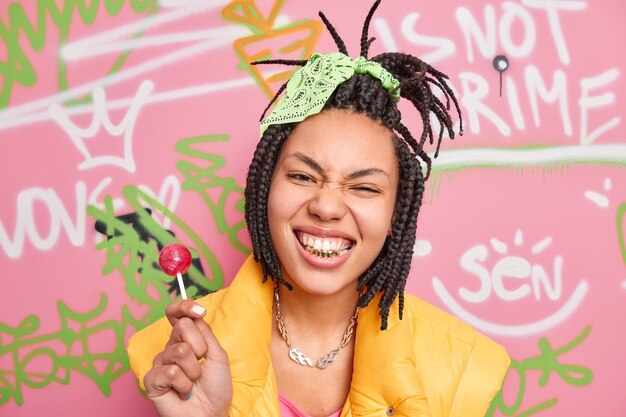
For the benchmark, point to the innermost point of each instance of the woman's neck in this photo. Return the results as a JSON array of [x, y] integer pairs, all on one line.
[[320, 314]]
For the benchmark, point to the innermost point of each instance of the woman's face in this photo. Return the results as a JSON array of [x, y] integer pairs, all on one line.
[[332, 199]]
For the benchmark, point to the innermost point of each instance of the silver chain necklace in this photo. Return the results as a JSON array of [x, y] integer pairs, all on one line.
[[297, 355]]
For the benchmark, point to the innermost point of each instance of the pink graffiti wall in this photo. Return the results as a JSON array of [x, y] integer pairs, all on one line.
[[125, 125]]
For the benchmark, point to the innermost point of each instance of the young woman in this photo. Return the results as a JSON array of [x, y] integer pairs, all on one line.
[[332, 198]]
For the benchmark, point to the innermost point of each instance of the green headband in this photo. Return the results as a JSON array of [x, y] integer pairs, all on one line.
[[311, 86]]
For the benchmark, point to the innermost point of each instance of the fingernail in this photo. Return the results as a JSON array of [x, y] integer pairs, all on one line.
[[188, 396], [199, 310]]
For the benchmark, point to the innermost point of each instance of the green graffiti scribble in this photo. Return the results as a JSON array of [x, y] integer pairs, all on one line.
[[76, 346], [621, 211], [132, 249], [128, 254], [547, 362], [200, 179], [131, 246], [18, 69]]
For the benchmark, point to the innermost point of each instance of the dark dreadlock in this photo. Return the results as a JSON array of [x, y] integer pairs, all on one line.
[[364, 94]]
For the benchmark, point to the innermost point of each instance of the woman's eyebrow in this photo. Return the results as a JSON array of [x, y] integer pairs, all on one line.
[[313, 164], [307, 160], [365, 172]]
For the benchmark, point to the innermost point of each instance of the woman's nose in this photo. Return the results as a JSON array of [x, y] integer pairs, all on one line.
[[327, 204]]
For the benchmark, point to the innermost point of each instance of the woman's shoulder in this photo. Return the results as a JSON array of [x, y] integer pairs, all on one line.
[[437, 320], [471, 362], [442, 327], [456, 368]]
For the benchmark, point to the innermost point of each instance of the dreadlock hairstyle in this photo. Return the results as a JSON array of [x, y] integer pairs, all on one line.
[[364, 94]]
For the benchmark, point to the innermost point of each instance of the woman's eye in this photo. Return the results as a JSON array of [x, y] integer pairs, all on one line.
[[367, 189], [299, 177]]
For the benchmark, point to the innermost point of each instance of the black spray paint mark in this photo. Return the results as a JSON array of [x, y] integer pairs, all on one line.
[[501, 64]]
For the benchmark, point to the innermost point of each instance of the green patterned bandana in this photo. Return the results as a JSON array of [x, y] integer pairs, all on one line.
[[311, 86]]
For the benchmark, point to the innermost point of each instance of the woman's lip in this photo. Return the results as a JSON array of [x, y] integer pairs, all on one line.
[[328, 233]]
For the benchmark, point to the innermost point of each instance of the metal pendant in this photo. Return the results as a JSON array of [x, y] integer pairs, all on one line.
[[327, 360], [299, 357]]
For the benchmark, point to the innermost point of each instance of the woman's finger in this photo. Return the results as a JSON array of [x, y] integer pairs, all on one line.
[[215, 352], [162, 379], [180, 354], [190, 331], [183, 308]]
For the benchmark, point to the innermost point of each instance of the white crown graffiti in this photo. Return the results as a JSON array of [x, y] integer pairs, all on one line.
[[81, 135]]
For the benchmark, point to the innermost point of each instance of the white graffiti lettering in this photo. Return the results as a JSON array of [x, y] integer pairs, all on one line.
[[485, 40], [588, 102], [30, 226], [509, 267], [475, 90], [552, 8], [494, 34], [443, 47], [44, 231], [511, 278], [537, 87], [472, 31]]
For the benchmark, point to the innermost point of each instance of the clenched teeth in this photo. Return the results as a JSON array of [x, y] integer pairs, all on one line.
[[324, 247]]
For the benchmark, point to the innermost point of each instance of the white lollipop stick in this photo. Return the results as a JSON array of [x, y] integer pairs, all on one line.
[[181, 286]]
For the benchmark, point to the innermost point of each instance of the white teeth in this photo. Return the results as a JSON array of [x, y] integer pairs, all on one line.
[[324, 247]]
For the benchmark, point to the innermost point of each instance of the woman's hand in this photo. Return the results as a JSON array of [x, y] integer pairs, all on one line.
[[191, 377]]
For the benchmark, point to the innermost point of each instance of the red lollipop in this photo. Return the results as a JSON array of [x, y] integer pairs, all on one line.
[[175, 260]]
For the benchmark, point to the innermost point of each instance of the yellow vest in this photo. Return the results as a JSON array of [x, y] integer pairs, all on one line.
[[428, 364]]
